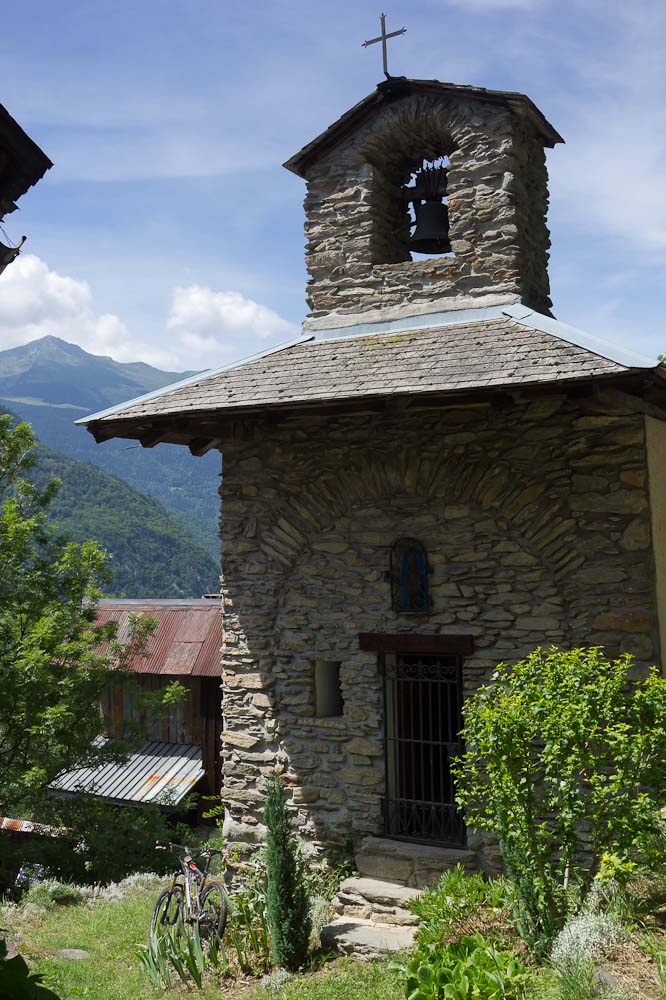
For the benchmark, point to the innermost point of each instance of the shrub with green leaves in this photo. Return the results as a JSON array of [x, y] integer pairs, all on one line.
[[459, 902], [182, 954], [288, 905], [16, 980], [52, 893], [471, 967], [565, 760], [102, 842], [248, 932]]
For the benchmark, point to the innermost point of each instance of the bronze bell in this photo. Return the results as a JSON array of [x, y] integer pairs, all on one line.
[[432, 228]]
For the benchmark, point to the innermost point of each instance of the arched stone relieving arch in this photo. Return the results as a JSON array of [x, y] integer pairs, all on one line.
[[507, 596], [500, 488], [414, 129]]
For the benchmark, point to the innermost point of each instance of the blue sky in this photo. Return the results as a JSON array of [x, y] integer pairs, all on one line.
[[168, 231]]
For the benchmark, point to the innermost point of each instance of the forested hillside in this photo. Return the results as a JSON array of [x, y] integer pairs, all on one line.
[[151, 554], [51, 383]]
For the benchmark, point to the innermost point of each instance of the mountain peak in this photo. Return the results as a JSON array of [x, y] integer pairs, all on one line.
[[50, 344], [55, 372]]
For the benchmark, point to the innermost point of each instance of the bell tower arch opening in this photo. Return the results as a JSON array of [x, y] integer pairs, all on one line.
[[409, 159]]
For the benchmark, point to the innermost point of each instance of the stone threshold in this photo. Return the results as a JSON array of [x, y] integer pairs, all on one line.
[[414, 865]]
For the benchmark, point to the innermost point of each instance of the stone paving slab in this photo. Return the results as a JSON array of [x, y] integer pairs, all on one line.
[[376, 890], [365, 939]]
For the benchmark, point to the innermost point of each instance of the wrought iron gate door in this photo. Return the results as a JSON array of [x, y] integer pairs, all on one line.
[[422, 712]]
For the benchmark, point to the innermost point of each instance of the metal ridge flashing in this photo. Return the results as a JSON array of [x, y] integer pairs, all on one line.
[[192, 380], [589, 342], [420, 321]]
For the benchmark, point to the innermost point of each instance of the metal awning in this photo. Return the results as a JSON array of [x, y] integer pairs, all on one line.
[[157, 772]]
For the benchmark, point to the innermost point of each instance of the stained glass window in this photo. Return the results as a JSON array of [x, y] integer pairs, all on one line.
[[409, 577]]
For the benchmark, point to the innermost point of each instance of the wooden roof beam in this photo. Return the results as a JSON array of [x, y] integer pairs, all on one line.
[[201, 446], [150, 440]]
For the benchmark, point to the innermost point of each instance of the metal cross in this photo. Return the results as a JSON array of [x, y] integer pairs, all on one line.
[[382, 38]]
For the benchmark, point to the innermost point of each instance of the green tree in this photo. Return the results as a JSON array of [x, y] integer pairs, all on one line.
[[287, 898], [54, 659], [565, 761]]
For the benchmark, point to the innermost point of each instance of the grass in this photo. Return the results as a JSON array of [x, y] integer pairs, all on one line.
[[342, 979], [110, 933]]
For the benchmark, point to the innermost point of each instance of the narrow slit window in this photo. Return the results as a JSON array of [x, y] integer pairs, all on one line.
[[328, 692]]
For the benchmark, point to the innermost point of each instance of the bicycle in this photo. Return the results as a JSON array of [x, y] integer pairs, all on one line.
[[192, 900]]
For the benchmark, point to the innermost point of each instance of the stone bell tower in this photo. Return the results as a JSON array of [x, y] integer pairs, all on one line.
[[485, 151]]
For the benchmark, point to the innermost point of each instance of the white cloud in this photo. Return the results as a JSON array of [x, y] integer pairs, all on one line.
[[206, 328], [216, 327], [37, 302]]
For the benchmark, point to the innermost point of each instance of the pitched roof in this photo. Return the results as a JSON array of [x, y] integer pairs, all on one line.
[[498, 348], [187, 639], [400, 86]]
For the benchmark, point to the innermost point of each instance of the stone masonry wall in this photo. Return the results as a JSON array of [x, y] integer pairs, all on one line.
[[357, 227], [536, 522]]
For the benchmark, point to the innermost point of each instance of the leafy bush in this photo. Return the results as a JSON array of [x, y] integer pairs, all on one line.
[[286, 894], [181, 953], [470, 968], [565, 761], [323, 877], [583, 938], [248, 932], [16, 980], [51, 893], [102, 842], [460, 904]]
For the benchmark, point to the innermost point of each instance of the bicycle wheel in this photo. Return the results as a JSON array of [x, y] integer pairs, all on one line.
[[212, 913], [168, 914]]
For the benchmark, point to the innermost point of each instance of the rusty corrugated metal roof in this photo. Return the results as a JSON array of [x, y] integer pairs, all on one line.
[[27, 826], [157, 772], [187, 639]]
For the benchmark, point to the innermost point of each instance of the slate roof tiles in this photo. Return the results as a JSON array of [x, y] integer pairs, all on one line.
[[454, 357]]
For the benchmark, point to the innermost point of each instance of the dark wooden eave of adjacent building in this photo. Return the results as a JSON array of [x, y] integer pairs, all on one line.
[[22, 162]]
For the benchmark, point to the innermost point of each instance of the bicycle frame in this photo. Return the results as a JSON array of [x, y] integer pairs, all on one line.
[[191, 880]]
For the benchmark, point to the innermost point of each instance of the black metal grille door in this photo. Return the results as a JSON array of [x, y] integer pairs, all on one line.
[[422, 700]]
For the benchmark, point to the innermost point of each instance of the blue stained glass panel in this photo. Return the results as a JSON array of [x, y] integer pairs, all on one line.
[[409, 577]]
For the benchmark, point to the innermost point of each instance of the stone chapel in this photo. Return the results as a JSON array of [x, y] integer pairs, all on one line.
[[436, 476]]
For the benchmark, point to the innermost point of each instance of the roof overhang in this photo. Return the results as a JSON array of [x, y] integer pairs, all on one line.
[[204, 428], [203, 431], [397, 87]]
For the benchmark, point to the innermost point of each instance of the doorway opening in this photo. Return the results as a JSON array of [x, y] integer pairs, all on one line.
[[423, 719]]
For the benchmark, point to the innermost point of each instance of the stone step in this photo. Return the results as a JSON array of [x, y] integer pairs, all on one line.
[[409, 864], [373, 899], [365, 939]]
